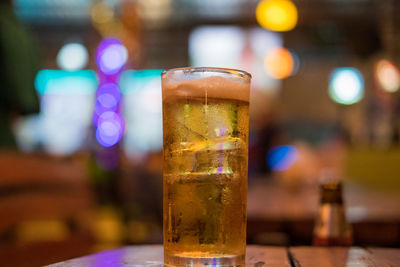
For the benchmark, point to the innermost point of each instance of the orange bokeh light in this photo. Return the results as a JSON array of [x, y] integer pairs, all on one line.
[[279, 63], [387, 75]]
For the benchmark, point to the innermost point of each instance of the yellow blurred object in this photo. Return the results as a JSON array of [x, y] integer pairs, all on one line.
[[101, 13], [279, 63], [376, 168], [108, 227], [105, 19], [138, 231], [277, 15], [123, 23], [43, 230]]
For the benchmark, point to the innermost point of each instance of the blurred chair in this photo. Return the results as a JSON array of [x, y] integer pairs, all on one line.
[[44, 207]]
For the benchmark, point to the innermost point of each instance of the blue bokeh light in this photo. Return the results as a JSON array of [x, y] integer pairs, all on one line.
[[65, 82], [281, 158], [346, 86]]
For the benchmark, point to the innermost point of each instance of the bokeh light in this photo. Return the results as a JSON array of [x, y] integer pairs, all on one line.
[[66, 98], [101, 13], [281, 158], [387, 75], [110, 128], [218, 46], [279, 63], [100, 108], [346, 86], [142, 111], [111, 56], [109, 88], [72, 56], [108, 95], [296, 62], [65, 82], [277, 15], [235, 47]]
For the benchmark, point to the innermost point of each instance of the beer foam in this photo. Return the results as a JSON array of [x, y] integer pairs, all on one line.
[[212, 87]]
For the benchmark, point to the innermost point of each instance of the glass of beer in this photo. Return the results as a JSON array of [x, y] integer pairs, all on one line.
[[205, 134]]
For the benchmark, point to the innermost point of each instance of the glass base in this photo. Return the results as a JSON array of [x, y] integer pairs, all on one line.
[[220, 261]]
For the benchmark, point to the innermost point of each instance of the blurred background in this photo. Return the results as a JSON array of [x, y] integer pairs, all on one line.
[[81, 129]]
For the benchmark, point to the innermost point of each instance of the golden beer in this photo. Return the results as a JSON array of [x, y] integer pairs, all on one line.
[[205, 128]]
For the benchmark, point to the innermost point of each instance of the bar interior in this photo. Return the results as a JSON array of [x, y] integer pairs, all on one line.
[[81, 124]]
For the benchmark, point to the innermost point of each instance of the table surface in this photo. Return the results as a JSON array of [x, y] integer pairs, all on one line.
[[257, 256], [362, 203]]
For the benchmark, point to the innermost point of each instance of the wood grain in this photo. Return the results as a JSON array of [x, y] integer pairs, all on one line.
[[261, 256], [341, 256], [390, 255], [151, 255], [256, 256]]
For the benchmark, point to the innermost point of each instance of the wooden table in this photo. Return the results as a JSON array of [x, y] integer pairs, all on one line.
[[277, 209], [257, 256], [363, 203]]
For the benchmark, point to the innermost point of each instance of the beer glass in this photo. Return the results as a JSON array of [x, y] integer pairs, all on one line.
[[205, 134]]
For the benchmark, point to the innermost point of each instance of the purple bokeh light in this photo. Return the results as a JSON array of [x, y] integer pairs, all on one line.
[[110, 128], [111, 56], [109, 88], [99, 109], [108, 96], [108, 138], [107, 100], [111, 116]]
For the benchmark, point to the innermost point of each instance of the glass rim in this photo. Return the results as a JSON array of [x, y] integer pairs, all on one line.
[[240, 73]]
